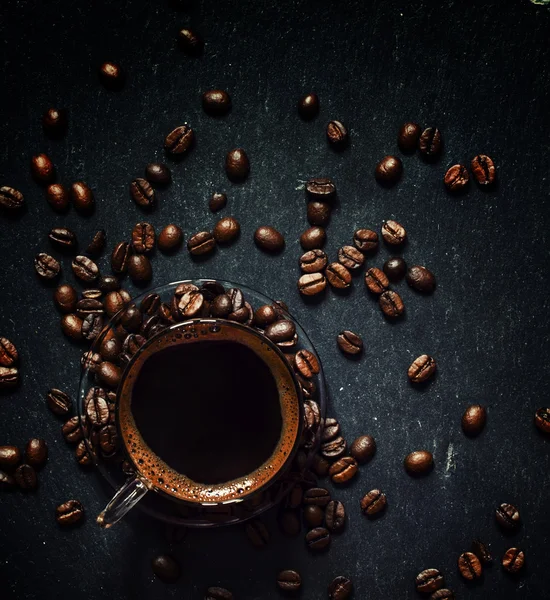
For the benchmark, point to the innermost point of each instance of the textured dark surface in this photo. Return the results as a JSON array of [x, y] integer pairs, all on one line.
[[480, 72]]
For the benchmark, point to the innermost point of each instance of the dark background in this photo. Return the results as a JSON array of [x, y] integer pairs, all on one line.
[[477, 70]]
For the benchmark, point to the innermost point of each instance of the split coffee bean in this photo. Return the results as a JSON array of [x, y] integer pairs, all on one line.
[[11, 200], [269, 239], [46, 266], [143, 238], [308, 106], [456, 178], [318, 539], [8, 353], [365, 240], [85, 269], [289, 581], [349, 342], [142, 193], [170, 238], [318, 213], [408, 137], [316, 496], [376, 281], [57, 197], [340, 588], [484, 170], [59, 402], [421, 279], [351, 258], [158, 173], [217, 201], [442, 594], [226, 230], [373, 503], [306, 363], [97, 407], [71, 430], [335, 516], [69, 513], [42, 168], [97, 245], [343, 470], [507, 516], [430, 143], [338, 276], [217, 593], [481, 551], [36, 452], [473, 419], [179, 140], [166, 568], [82, 197], [419, 462], [469, 566], [429, 580], [330, 430], [314, 237], [237, 165], [542, 419], [312, 284], [422, 369], [334, 449], [337, 134], [83, 456], [395, 268], [393, 233], [389, 170], [363, 449], [25, 477], [391, 304], [321, 189], [216, 102], [119, 257], [62, 238], [313, 261], [513, 560]]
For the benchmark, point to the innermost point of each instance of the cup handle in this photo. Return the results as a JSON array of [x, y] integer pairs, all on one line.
[[123, 501]]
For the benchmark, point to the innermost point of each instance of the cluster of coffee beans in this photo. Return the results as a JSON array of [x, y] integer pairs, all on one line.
[[290, 582], [9, 361], [19, 469]]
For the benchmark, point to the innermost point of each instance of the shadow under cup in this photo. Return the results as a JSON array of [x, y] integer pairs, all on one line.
[[209, 412]]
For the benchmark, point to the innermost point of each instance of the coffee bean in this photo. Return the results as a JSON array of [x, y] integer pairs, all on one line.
[[72, 431], [393, 233], [338, 276], [316, 496], [429, 580], [190, 42], [469, 566], [365, 240], [343, 469], [7, 482], [216, 102], [313, 515], [166, 568], [395, 268], [313, 261], [391, 304], [201, 243], [109, 374], [376, 281], [158, 173], [337, 134], [269, 239], [143, 238], [481, 551], [456, 178], [217, 201], [389, 170], [120, 257], [36, 452], [97, 245], [211, 288], [422, 368], [131, 319], [265, 315], [11, 199], [281, 331], [9, 456], [65, 297], [71, 325], [289, 581], [82, 197], [430, 143], [513, 560], [90, 304], [221, 306], [140, 269], [419, 462], [351, 258], [294, 499], [373, 502], [46, 266], [483, 169], [110, 349], [59, 402], [90, 361], [318, 539], [42, 168], [8, 353], [408, 136], [421, 279], [25, 477], [62, 238], [132, 344], [363, 449], [85, 269], [507, 516], [335, 516], [142, 193], [306, 363], [308, 106], [443, 594], [473, 419], [150, 304], [318, 213], [54, 122], [96, 407], [334, 449], [312, 284], [83, 455], [257, 533], [112, 303], [340, 588], [542, 419], [179, 140], [218, 593], [108, 283], [226, 230], [69, 513], [237, 165], [111, 75], [289, 523], [190, 304], [92, 327], [349, 342], [170, 238], [321, 189], [108, 440], [330, 430]]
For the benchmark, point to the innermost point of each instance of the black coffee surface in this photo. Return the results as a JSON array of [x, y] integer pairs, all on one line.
[[210, 410]]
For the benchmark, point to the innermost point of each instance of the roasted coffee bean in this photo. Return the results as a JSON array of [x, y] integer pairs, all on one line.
[[365, 240], [330, 430], [65, 298], [306, 363], [90, 361], [237, 165], [312, 284], [89, 306], [269, 239], [393, 233], [83, 455], [57, 196], [85, 269], [226, 230], [289, 523], [313, 261], [92, 327], [456, 178], [8, 353], [120, 256], [179, 140], [430, 143], [94, 294], [289, 581], [443, 594], [108, 283], [419, 462], [314, 237], [112, 303], [190, 304], [211, 288], [140, 269], [109, 374], [62, 238], [483, 169], [9, 456], [316, 496], [217, 201], [340, 588], [190, 42], [422, 368], [294, 499], [513, 560], [408, 136], [42, 168], [318, 539], [312, 415], [36, 452], [507, 516], [318, 213], [72, 431], [97, 245], [133, 343], [308, 106], [170, 238], [373, 503], [221, 306], [201, 243], [481, 551], [391, 304], [216, 102], [350, 257], [143, 238], [257, 533], [7, 482], [376, 281], [11, 199], [142, 193], [343, 470], [46, 266], [421, 279], [473, 419], [335, 516], [71, 325], [363, 449], [218, 593], [108, 440], [395, 268], [111, 75], [542, 419], [313, 515], [150, 304], [429, 580], [158, 173], [389, 170], [469, 566], [166, 568], [349, 342], [321, 189], [334, 449], [82, 197], [25, 477], [59, 402], [69, 513], [337, 134], [281, 331], [54, 122], [96, 407], [338, 276], [265, 315]]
